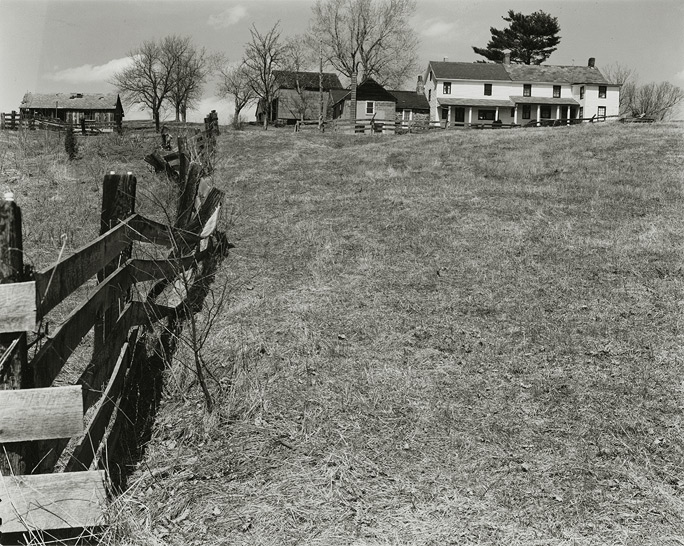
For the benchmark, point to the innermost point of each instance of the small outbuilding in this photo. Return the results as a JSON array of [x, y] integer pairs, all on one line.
[[372, 101], [72, 107]]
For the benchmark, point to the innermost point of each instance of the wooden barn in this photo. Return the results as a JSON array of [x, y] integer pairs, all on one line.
[[72, 107]]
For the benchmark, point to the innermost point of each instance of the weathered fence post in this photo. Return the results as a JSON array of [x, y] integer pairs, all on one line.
[[118, 202], [14, 457], [188, 182], [13, 125], [2, 121]]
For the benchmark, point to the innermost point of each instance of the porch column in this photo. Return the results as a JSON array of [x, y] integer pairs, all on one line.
[[568, 116], [538, 112], [449, 115], [515, 114], [470, 115], [558, 112], [496, 116]]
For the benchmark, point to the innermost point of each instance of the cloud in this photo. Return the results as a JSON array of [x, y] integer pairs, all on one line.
[[434, 28], [228, 17], [88, 73]]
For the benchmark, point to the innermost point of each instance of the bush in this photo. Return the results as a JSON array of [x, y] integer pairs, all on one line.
[[70, 144]]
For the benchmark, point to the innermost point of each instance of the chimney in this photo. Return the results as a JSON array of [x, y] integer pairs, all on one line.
[[592, 62], [352, 102], [420, 86], [507, 56]]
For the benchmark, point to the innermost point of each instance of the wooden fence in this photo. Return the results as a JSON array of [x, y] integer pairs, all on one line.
[[390, 126], [14, 122], [38, 418]]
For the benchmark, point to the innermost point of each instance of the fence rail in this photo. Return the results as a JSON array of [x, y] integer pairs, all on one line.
[[38, 419], [13, 121]]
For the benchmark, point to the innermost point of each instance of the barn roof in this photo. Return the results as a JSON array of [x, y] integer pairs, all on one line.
[[287, 79], [71, 101], [410, 100], [369, 89]]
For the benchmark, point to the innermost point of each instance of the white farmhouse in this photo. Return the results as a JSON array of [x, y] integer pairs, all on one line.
[[472, 93]]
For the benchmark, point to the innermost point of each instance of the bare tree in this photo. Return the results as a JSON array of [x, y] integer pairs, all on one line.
[[263, 54], [656, 100], [234, 82], [189, 74], [148, 80], [373, 38], [626, 78]]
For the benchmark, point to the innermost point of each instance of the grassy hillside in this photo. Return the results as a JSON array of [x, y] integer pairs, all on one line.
[[457, 338]]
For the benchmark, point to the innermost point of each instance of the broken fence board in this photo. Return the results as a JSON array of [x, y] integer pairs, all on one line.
[[86, 449], [148, 270], [41, 414], [51, 501], [58, 281], [17, 307], [148, 231]]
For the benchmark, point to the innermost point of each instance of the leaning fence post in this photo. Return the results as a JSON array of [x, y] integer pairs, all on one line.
[[118, 202], [13, 369], [14, 116]]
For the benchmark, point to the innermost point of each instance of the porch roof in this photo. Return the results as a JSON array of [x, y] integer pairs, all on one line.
[[562, 101], [474, 102]]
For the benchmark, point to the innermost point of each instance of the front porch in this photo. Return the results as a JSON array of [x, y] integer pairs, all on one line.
[[455, 112]]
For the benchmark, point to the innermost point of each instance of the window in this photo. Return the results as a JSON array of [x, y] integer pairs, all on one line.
[[556, 91], [602, 91], [486, 114], [602, 111], [406, 115], [370, 107], [582, 92], [429, 94], [430, 76], [487, 88], [446, 88], [526, 111], [527, 90], [581, 113], [513, 112], [545, 111]]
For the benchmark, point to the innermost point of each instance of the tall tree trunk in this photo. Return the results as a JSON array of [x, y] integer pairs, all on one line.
[[155, 114]]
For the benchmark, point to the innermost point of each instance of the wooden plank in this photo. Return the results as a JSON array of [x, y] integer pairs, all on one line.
[[56, 282], [85, 451], [53, 354], [51, 501], [211, 203], [148, 231], [41, 414], [17, 307], [148, 270]]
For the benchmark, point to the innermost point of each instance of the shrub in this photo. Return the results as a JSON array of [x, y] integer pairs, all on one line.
[[70, 144]]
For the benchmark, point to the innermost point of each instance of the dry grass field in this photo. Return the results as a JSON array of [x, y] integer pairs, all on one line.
[[457, 338]]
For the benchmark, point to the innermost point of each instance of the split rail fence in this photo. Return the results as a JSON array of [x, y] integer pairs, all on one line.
[[14, 122], [391, 126], [45, 488]]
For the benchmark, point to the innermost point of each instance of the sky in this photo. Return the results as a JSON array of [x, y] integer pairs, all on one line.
[[50, 46]]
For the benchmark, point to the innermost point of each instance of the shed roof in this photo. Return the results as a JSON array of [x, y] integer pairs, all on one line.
[[474, 102], [563, 101], [369, 89], [287, 79], [71, 101], [411, 100]]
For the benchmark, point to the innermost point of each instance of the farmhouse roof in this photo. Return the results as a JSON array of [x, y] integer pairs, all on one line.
[[71, 101], [287, 79], [410, 100], [447, 70], [554, 73]]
